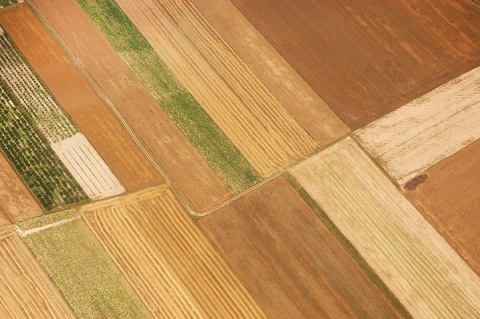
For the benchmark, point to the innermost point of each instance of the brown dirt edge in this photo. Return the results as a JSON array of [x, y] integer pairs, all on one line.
[[349, 248]]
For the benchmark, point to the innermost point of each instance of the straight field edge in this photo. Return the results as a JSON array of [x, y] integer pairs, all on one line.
[[349, 248]]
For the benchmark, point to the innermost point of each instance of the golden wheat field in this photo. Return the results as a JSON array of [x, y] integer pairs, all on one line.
[[239, 159]]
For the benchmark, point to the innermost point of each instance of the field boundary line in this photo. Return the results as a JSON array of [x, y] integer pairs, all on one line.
[[25, 233]]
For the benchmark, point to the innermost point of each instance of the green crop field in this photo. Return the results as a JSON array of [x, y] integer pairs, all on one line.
[[195, 123]]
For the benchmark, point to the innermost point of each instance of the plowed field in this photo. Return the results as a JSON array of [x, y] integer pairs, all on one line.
[[27, 292], [449, 198], [169, 262], [368, 58], [289, 260], [72, 91]]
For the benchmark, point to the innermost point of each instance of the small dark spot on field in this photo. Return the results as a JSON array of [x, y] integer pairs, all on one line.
[[413, 183]]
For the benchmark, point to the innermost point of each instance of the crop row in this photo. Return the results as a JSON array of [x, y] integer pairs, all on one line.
[[32, 157], [32, 94], [225, 159]]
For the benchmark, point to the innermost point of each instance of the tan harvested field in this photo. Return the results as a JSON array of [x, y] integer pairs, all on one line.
[[229, 91], [16, 202], [432, 127], [73, 92], [423, 271], [289, 260], [172, 266], [367, 58], [278, 76], [27, 291], [187, 169], [450, 200]]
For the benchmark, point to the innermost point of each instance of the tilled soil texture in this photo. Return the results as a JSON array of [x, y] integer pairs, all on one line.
[[27, 291], [165, 256], [188, 170], [278, 76], [289, 260], [449, 198], [421, 269], [16, 202], [368, 58], [76, 96]]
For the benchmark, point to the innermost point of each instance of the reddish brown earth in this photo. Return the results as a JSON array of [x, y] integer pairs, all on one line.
[[450, 200], [16, 202], [367, 58], [177, 157], [87, 111], [288, 259]]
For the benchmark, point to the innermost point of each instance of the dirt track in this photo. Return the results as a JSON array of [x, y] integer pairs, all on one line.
[[368, 58], [294, 267], [87, 111], [450, 200]]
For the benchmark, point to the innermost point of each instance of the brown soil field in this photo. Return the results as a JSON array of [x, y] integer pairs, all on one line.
[[27, 291], [301, 101], [449, 198], [289, 260], [73, 92], [227, 89], [177, 157], [16, 202], [165, 256], [365, 59]]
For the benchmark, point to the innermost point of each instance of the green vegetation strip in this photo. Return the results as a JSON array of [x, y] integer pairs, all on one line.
[[6, 3], [225, 159], [80, 268], [349, 248], [33, 158]]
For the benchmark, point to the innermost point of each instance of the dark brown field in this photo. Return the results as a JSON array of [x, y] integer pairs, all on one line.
[[367, 58], [288, 259], [87, 111], [449, 199], [181, 161]]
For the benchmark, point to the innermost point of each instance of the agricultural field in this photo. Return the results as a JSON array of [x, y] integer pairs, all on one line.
[[421, 269], [239, 159], [428, 129], [449, 198], [27, 291], [367, 59], [186, 167], [172, 266], [289, 259], [80, 268], [74, 93]]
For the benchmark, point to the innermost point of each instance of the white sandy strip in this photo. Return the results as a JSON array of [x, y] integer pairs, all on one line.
[[87, 167], [423, 132], [415, 262]]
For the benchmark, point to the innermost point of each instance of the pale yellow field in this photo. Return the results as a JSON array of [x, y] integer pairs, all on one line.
[[415, 262], [249, 114], [26, 291], [430, 128], [166, 258]]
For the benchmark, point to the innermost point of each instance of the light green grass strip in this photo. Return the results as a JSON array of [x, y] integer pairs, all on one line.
[[225, 159], [81, 269]]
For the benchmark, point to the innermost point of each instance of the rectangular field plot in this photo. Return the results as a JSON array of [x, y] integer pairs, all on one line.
[[428, 129], [80, 268], [367, 59], [195, 123], [229, 91], [449, 199], [27, 292], [192, 172], [172, 266], [290, 261], [421, 269], [77, 97]]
